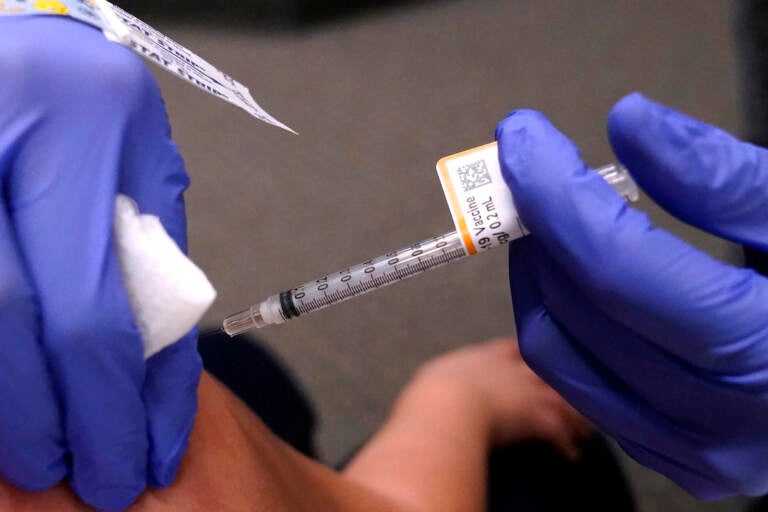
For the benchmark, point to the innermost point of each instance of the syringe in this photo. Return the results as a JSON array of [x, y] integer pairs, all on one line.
[[378, 272]]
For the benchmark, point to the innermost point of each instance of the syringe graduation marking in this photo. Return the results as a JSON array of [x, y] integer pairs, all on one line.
[[391, 276]]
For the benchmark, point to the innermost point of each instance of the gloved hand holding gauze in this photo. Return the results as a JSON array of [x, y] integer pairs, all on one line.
[[167, 291], [82, 120]]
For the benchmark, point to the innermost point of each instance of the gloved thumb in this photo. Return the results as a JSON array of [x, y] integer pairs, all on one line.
[[696, 171]]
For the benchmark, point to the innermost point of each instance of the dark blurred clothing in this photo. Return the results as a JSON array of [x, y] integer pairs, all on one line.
[[256, 376]]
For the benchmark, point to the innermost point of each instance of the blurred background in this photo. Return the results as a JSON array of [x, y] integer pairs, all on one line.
[[379, 91]]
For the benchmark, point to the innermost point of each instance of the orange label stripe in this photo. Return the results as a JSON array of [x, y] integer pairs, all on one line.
[[453, 200]]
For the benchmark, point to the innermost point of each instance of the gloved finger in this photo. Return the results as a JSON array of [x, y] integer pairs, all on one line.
[[153, 174], [170, 394], [32, 448], [698, 172], [688, 476], [677, 392], [561, 361], [639, 275], [592, 388], [642, 366], [63, 189]]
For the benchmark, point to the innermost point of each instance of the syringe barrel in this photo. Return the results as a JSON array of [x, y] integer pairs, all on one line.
[[373, 274], [379, 272]]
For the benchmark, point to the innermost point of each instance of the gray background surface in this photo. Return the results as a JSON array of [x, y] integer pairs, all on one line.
[[378, 99]]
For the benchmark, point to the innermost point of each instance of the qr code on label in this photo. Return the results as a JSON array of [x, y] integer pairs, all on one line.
[[474, 175]]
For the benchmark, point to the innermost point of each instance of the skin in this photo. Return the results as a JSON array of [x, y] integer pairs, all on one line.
[[430, 455]]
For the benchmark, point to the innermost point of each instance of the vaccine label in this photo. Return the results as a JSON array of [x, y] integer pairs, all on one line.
[[123, 28], [480, 202]]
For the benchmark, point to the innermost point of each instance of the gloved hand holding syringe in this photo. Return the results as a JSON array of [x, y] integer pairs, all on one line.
[[484, 215]]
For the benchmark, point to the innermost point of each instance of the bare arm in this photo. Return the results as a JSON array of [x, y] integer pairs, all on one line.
[[432, 453], [429, 456]]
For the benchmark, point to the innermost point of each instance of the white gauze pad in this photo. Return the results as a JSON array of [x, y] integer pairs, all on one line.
[[167, 292]]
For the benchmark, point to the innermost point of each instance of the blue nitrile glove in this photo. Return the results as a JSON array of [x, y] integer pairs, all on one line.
[[661, 345], [81, 120]]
